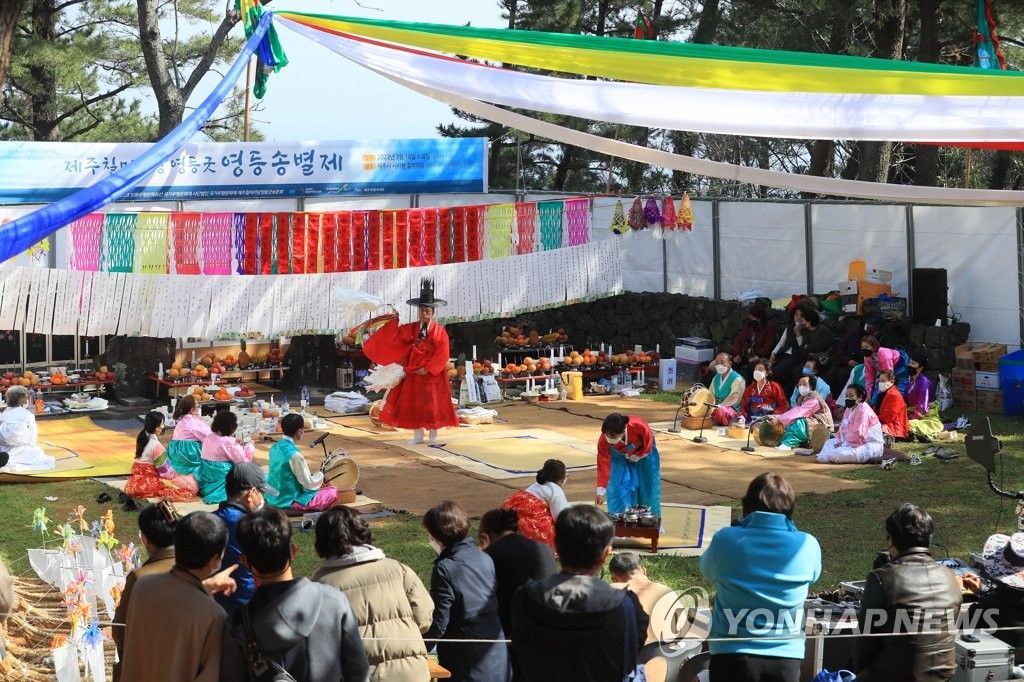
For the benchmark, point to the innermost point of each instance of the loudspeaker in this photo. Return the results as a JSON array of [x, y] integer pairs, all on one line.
[[930, 298]]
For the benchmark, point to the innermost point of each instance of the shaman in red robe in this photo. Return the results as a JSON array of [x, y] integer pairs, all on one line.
[[420, 401]]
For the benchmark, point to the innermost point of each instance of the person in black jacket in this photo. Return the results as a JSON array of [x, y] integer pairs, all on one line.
[[916, 600], [517, 560], [464, 590], [572, 625]]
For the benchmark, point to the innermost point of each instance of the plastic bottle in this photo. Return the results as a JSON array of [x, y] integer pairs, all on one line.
[[305, 397], [284, 404]]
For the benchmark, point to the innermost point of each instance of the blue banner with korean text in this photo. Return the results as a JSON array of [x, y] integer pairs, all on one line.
[[43, 172]]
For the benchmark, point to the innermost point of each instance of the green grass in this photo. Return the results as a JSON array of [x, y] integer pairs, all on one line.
[[848, 524]]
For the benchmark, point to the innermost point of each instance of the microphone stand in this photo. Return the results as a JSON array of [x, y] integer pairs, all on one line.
[[675, 422], [750, 430], [699, 438]]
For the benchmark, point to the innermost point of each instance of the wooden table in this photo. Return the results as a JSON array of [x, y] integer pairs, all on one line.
[[181, 384], [635, 531]]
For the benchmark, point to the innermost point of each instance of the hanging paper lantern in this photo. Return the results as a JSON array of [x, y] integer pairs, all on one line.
[[619, 225], [636, 215], [668, 213], [685, 218], [651, 213]]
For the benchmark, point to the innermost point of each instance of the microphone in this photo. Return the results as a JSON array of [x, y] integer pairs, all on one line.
[[319, 440], [710, 405]]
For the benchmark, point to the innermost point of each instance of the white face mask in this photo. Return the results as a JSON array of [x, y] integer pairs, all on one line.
[[721, 369], [804, 390], [436, 544], [613, 441], [758, 375], [884, 386]]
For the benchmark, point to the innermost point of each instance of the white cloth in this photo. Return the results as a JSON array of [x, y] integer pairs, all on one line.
[[553, 495], [836, 452], [301, 471], [19, 438], [147, 452]]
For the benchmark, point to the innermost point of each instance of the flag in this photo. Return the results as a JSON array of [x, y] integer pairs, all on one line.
[[987, 54], [644, 30]]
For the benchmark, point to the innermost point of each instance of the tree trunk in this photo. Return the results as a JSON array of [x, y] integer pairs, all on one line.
[[926, 156], [9, 13], [707, 25], [564, 166], [999, 178], [888, 36], [43, 15], [822, 161]]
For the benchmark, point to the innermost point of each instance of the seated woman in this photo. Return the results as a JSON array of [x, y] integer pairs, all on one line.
[[922, 407], [152, 475], [859, 439], [754, 342], [19, 438], [878, 359], [819, 341], [808, 409], [810, 369], [185, 450], [220, 451], [297, 488], [728, 387], [539, 505], [763, 396], [891, 408]]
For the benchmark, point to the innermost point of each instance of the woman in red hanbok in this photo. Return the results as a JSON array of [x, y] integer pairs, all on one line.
[[423, 399], [152, 475], [539, 505]]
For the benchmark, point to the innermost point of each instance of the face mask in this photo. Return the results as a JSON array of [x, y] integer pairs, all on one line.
[[850, 402], [807, 371], [804, 390], [758, 375], [913, 370], [721, 369], [436, 544], [866, 352], [754, 323], [613, 441], [884, 386]]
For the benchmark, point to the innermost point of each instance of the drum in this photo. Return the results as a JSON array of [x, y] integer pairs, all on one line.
[[817, 437], [375, 410], [342, 472], [695, 401], [769, 433]]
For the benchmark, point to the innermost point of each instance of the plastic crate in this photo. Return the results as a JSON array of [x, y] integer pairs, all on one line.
[[1011, 378]]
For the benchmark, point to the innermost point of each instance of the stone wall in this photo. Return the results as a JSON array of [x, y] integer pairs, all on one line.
[[312, 361], [133, 359]]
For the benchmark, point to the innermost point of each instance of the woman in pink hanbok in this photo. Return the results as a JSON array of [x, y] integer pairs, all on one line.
[[859, 439]]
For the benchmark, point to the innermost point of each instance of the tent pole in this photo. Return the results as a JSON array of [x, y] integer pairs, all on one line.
[[248, 91]]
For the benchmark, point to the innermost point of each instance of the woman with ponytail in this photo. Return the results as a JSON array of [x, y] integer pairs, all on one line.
[[152, 475], [539, 505]]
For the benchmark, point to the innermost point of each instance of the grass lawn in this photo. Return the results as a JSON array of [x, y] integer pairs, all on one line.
[[848, 524]]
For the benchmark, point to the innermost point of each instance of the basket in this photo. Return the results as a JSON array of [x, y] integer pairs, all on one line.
[[737, 431], [695, 423]]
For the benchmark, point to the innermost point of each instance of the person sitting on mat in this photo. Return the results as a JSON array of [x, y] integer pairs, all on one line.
[[297, 488], [186, 447], [859, 439], [220, 451], [878, 359], [152, 474], [763, 396], [19, 437], [539, 505], [810, 408], [891, 409], [810, 368], [728, 387], [628, 465]]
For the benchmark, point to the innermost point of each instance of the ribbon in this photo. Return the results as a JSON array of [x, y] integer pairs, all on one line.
[[282, 241], [445, 230], [373, 235], [251, 236], [474, 229], [416, 237], [430, 236], [401, 219], [387, 249], [217, 237], [526, 227], [185, 230], [459, 234], [359, 246], [267, 233], [298, 264], [314, 258]]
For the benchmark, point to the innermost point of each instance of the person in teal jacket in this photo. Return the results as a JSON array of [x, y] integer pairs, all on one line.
[[297, 488], [761, 568]]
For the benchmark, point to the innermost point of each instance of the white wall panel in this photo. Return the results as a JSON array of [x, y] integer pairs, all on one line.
[[762, 247], [691, 265], [978, 249], [845, 232]]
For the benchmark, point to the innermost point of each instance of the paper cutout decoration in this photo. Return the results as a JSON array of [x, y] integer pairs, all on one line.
[[636, 216], [668, 213], [619, 225], [40, 521], [685, 217], [651, 213]]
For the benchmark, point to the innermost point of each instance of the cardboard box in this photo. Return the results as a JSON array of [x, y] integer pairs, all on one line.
[[866, 290], [989, 352], [986, 381], [986, 367], [965, 356], [963, 379], [990, 401], [965, 403]]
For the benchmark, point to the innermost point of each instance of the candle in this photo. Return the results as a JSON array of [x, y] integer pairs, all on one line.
[[87, 348], [474, 353], [602, 345], [552, 354], [193, 358], [657, 348], [610, 350], [160, 372], [500, 365]]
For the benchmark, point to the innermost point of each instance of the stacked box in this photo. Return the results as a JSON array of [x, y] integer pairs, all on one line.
[[976, 381]]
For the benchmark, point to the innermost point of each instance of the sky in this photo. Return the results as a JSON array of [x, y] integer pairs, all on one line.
[[323, 96]]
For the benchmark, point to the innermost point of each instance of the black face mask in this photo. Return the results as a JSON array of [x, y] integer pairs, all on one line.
[[754, 323], [866, 352], [850, 402], [913, 370]]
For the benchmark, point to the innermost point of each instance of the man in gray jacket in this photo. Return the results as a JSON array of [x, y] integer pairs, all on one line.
[[284, 614]]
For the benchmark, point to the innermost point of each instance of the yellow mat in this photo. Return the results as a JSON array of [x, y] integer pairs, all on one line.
[[688, 530], [507, 454], [81, 450], [719, 441]]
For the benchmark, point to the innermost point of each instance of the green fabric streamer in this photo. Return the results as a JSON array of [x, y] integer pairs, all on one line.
[[251, 11], [549, 218], [658, 47], [119, 242]]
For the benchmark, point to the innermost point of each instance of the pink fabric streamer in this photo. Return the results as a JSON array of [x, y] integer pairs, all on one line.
[[577, 220], [86, 243], [217, 237]]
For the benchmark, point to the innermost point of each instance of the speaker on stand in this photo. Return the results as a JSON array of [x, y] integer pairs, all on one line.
[[930, 295]]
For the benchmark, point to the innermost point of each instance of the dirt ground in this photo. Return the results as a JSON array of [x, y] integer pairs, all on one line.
[[691, 473]]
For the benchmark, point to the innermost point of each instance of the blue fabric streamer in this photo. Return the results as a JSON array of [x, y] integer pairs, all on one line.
[[20, 234]]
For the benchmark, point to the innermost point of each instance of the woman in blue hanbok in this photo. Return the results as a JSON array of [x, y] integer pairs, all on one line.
[[628, 465]]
